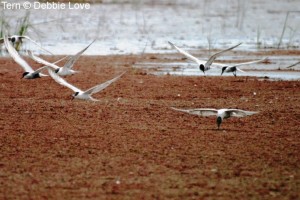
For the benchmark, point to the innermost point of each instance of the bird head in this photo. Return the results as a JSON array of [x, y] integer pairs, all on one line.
[[56, 70], [74, 95], [201, 67], [24, 74], [14, 39], [223, 69]]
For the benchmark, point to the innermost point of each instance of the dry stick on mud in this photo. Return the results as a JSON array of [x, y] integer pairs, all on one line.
[[284, 26], [293, 64]]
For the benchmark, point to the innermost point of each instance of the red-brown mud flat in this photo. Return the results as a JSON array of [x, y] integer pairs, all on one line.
[[131, 145]]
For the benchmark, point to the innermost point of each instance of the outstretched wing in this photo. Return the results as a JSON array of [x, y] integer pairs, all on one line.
[[42, 61], [62, 81], [204, 112], [69, 64], [28, 38], [213, 57], [15, 55], [251, 62], [239, 113], [186, 54], [102, 86]]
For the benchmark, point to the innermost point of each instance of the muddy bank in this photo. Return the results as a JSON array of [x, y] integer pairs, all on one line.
[[131, 145]]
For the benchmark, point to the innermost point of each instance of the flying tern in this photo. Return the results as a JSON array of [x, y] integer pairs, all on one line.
[[66, 70], [79, 94], [221, 113], [17, 38], [203, 65], [234, 68], [29, 72]]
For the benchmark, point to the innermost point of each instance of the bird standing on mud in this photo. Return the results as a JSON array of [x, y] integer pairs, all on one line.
[[234, 68]]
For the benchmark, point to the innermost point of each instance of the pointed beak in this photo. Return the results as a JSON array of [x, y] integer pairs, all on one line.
[[72, 98]]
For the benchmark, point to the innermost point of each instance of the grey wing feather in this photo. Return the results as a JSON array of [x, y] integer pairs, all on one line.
[[240, 113], [204, 112], [36, 43], [62, 81], [41, 61], [251, 62], [213, 57], [186, 54], [15, 55], [102, 86], [69, 64]]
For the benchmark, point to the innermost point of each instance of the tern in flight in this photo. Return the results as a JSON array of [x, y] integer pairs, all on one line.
[[65, 70], [221, 113], [203, 65], [234, 68], [29, 72], [17, 38], [79, 94]]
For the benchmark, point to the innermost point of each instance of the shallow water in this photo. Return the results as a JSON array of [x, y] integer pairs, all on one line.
[[147, 25], [187, 69]]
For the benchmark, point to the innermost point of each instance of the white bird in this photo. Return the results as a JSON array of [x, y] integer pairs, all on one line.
[[235, 68], [17, 38], [29, 72], [79, 94], [203, 65], [66, 70], [221, 113]]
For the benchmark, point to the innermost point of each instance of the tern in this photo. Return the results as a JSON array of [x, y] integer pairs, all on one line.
[[66, 70], [79, 94], [29, 72], [17, 38], [221, 113], [203, 65], [234, 68]]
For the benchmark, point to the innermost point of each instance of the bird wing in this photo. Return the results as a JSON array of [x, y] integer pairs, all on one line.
[[15, 55], [186, 54], [28, 38], [204, 112], [240, 70], [102, 86], [69, 64], [41, 61], [213, 57], [62, 81], [39, 70], [239, 113], [251, 62]]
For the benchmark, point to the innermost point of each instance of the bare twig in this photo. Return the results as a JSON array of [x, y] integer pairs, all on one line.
[[293, 64]]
